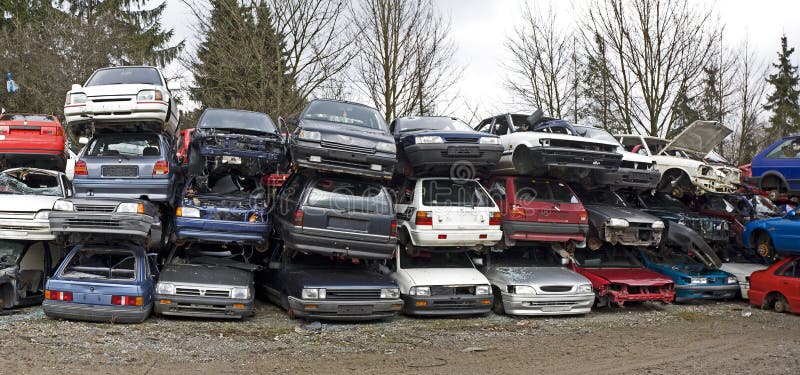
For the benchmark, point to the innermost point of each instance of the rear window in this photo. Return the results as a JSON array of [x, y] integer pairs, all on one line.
[[532, 190], [17, 117], [349, 196], [464, 193], [30, 184], [246, 120], [122, 76], [125, 145], [101, 265]]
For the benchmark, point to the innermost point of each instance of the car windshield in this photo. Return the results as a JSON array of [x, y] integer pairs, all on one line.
[[349, 196], [655, 144], [662, 200], [129, 145], [19, 117], [454, 193], [532, 190], [237, 120], [31, 183], [100, 264], [10, 252], [345, 113], [602, 196], [607, 258], [431, 123], [526, 257], [670, 257], [300, 260], [123, 76], [595, 133], [427, 259]]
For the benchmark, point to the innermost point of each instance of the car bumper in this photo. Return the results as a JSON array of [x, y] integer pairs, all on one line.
[[545, 232], [456, 237], [119, 112], [101, 223], [536, 160], [445, 154], [709, 185], [202, 307], [156, 190], [744, 289], [629, 177], [220, 231], [345, 310], [35, 230], [548, 305], [620, 297], [690, 292], [329, 245], [343, 161], [632, 236], [447, 305], [96, 313]]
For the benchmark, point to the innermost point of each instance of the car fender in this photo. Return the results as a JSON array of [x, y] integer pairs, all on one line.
[[685, 238], [771, 173]]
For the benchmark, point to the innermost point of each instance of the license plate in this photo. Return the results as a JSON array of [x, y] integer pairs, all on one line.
[[355, 309], [555, 308], [231, 160], [12, 233], [462, 151]]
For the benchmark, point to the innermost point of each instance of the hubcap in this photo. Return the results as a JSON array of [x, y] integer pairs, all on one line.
[[763, 249]]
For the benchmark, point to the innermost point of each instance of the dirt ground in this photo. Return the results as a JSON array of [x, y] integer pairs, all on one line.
[[712, 337]]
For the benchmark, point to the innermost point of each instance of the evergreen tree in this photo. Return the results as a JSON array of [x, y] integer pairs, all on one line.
[[597, 90], [783, 101], [684, 112], [712, 96]]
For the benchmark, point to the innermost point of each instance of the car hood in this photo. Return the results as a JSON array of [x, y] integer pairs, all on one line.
[[112, 90], [630, 214], [741, 270], [630, 276], [446, 276], [699, 137], [690, 270], [205, 274], [574, 138], [347, 134], [340, 278], [26, 203], [537, 275]]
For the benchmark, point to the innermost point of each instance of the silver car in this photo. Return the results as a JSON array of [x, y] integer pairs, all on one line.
[[27, 196], [534, 281]]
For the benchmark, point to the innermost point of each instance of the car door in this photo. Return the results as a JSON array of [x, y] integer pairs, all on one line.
[[788, 282], [786, 233], [785, 159]]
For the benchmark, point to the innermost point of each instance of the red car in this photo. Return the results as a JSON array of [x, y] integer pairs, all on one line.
[[778, 286], [182, 148], [538, 210], [31, 140], [618, 277]]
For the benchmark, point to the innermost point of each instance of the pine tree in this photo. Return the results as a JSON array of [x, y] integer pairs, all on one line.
[[684, 112], [712, 96], [597, 90], [783, 101]]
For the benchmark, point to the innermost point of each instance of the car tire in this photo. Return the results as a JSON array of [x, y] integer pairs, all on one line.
[[780, 305], [765, 247]]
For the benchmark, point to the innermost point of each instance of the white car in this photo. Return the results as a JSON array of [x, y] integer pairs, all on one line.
[[439, 283], [27, 195], [742, 272], [69, 170], [439, 211], [123, 98], [682, 160]]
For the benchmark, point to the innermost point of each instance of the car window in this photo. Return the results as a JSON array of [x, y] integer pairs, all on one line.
[[430, 123], [101, 264], [526, 257], [464, 193], [612, 257], [662, 200], [30, 184], [498, 190], [10, 252], [427, 259], [595, 133], [21, 117], [656, 145], [121, 76], [115, 145], [345, 113], [533, 190], [788, 149], [602, 196], [500, 126], [240, 120], [349, 196]]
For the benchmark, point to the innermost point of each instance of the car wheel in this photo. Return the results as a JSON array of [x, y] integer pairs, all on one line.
[[497, 306], [677, 192], [780, 305], [765, 248]]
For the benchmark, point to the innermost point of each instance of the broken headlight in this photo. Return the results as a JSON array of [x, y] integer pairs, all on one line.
[[63, 206], [390, 293], [617, 223], [240, 293], [313, 293], [521, 289], [420, 291], [309, 136], [165, 288]]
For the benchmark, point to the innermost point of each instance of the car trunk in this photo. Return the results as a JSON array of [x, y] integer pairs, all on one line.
[[95, 292], [31, 132], [344, 224], [138, 167], [460, 218]]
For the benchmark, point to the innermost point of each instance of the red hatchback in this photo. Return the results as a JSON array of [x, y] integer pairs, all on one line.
[[778, 286], [30, 140], [618, 277], [538, 210]]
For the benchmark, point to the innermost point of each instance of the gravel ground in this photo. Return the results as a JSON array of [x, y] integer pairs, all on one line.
[[712, 337]]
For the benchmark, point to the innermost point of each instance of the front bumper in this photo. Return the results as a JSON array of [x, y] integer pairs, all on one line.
[[101, 223], [684, 292], [632, 236], [341, 161], [544, 232], [445, 154], [219, 231], [565, 304], [447, 305], [155, 189], [35, 230], [202, 307], [711, 185], [623, 295], [628, 177], [349, 247], [455, 237], [345, 310], [96, 313], [744, 289]]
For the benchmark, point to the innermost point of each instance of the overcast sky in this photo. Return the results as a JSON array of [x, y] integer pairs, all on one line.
[[479, 28]]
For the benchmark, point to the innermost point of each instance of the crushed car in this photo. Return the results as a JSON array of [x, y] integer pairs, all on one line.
[[24, 269], [27, 197], [32, 140], [693, 280]]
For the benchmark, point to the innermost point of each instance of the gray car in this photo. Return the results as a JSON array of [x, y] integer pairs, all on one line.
[[611, 221], [535, 281]]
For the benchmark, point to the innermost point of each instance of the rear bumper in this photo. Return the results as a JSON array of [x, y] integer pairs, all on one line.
[[629, 177], [447, 305], [350, 247], [37, 230], [343, 161], [220, 231], [157, 190], [202, 307], [690, 292], [445, 154], [345, 310], [545, 232], [101, 223], [25, 149], [455, 237], [514, 304], [96, 313]]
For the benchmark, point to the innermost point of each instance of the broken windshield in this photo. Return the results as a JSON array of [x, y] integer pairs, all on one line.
[[101, 264], [30, 184], [526, 257], [236, 120], [10, 252], [345, 113]]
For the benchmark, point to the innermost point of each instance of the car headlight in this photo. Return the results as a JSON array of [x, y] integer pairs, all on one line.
[[132, 208], [658, 224], [482, 289], [240, 293], [78, 98], [165, 288], [521, 289], [386, 147], [585, 288], [617, 223], [420, 291], [390, 293], [652, 166], [149, 95], [731, 280], [313, 293], [489, 141], [426, 139], [310, 136], [699, 280], [704, 170], [187, 212], [42, 215], [63, 206]]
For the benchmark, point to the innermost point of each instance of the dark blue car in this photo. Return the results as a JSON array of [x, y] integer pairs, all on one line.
[[776, 169], [103, 283], [774, 235], [693, 280]]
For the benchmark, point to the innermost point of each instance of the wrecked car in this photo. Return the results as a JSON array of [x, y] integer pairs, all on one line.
[[536, 153], [535, 281], [430, 144], [777, 287], [693, 280], [27, 196], [742, 272], [328, 287], [776, 169], [24, 268], [618, 277], [343, 137], [32, 140], [777, 235], [103, 283]]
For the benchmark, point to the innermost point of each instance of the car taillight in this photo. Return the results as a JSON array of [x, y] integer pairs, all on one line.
[[424, 218], [3, 129], [59, 132], [584, 215], [494, 219], [298, 218], [80, 168], [127, 300], [161, 168], [517, 212], [393, 229], [57, 295], [442, 237]]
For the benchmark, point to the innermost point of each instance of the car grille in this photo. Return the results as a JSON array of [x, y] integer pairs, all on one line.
[[460, 140], [12, 227], [93, 223], [552, 303], [94, 208], [634, 165], [17, 215], [107, 100], [556, 288], [217, 293], [120, 171], [581, 145], [352, 294], [349, 148], [452, 290], [447, 154]]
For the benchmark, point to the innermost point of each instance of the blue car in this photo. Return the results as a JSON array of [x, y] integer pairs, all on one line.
[[103, 283], [776, 169], [693, 280], [774, 235]]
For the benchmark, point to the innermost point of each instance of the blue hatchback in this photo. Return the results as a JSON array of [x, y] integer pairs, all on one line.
[[774, 235], [103, 283], [776, 169], [693, 280]]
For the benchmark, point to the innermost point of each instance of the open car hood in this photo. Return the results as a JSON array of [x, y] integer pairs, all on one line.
[[700, 137]]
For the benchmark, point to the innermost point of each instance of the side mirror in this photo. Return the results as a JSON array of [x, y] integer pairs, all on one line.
[[83, 140], [76, 86], [274, 265], [173, 86], [478, 262]]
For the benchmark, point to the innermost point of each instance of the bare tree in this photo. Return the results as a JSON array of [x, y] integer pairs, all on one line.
[[750, 93]]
